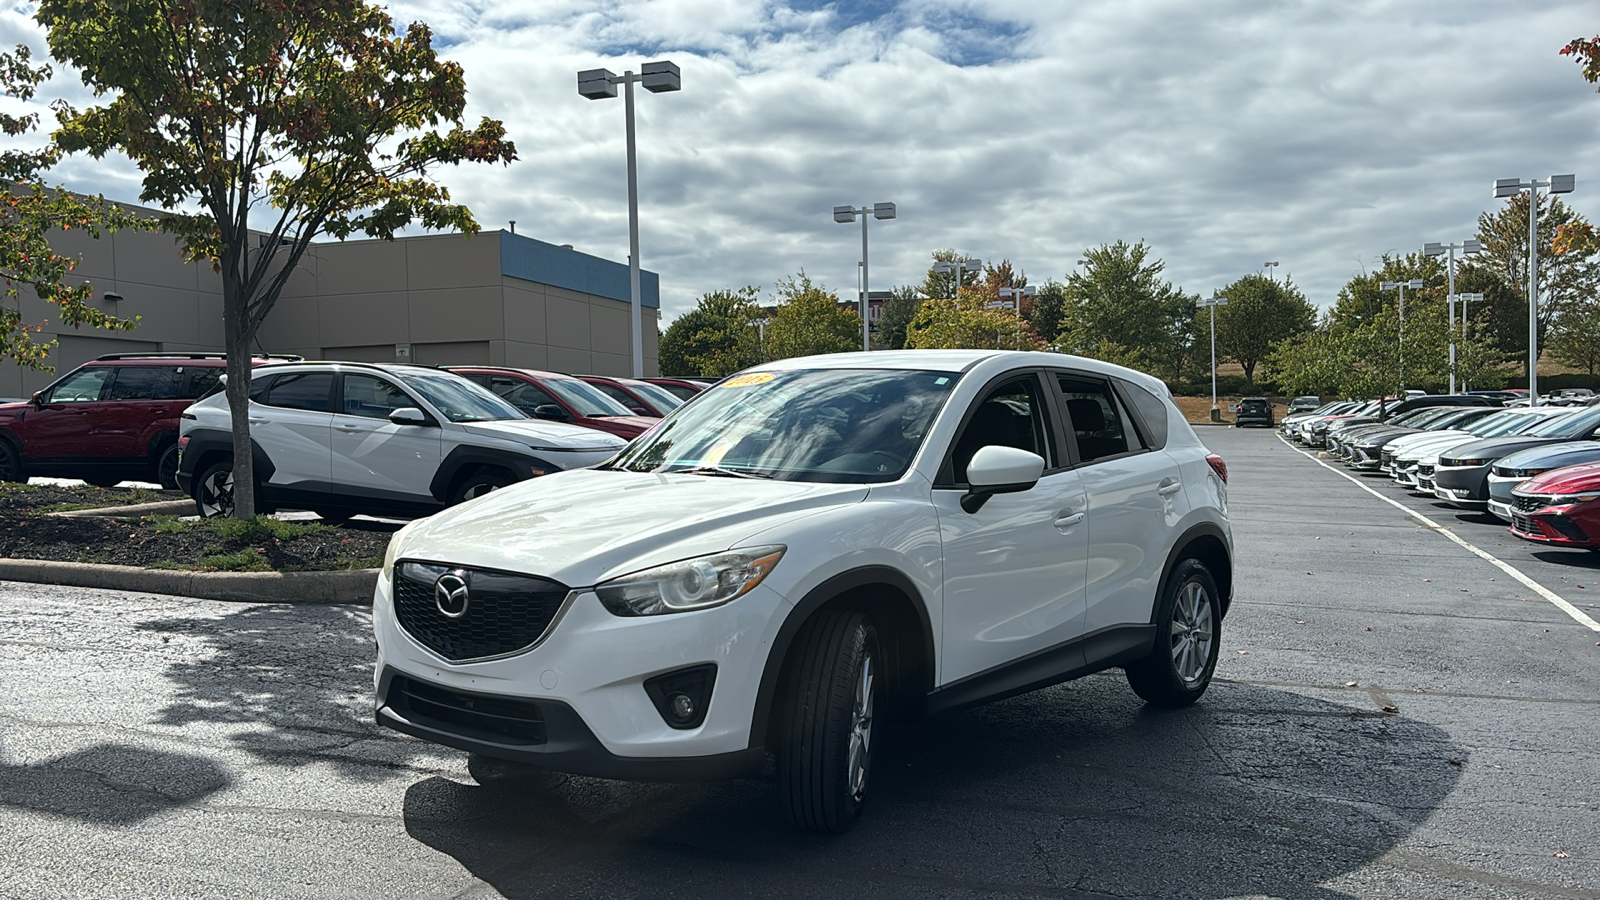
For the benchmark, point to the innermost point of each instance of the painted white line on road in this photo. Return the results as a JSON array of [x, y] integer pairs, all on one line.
[[1527, 582]]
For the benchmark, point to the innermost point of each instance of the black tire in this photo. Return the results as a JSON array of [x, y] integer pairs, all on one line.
[[103, 481], [213, 491], [10, 464], [825, 755], [166, 467], [1179, 667], [481, 482]]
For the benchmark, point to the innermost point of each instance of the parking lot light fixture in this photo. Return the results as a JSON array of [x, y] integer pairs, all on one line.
[[957, 266], [845, 215], [1414, 284], [1434, 248], [1510, 187], [1213, 303], [1272, 269], [601, 84], [1016, 295], [1464, 298]]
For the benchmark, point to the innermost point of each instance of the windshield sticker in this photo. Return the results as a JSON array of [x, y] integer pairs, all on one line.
[[748, 380]]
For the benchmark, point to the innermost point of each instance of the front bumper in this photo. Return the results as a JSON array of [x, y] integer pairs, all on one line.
[[1464, 486], [585, 678], [1555, 527]]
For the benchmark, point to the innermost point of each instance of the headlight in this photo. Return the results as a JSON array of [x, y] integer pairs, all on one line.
[[1466, 462], [394, 549], [1569, 499], [690, 584]]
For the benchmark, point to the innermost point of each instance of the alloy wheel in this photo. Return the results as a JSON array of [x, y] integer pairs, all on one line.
[[1193, 631], [216, 494], [861, 729]]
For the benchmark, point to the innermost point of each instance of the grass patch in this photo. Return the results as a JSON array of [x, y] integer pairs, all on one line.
[[242, 561], [261, 528]]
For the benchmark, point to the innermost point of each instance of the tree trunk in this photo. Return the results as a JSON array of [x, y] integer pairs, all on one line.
[[1249, 372], [236, 338]]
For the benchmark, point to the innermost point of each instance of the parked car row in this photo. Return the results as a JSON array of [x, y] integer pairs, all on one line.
[[337, 438], [1534, 467]]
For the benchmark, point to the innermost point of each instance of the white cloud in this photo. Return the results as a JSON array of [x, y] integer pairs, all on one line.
[[1224, 133]]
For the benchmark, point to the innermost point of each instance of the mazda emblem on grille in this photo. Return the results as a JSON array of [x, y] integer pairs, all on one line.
[[450, 594]]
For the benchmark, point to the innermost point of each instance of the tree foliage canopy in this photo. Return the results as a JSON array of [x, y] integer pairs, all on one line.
[[810, 321], [1260, 312], [1118, 308], [716, 338]]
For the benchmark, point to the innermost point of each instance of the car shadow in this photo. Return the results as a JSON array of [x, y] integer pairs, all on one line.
[[1577, 559], [1077, 790], [111, 784], [299, 674]]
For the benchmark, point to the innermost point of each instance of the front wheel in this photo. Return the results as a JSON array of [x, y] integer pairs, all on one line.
[[1188, 637], [481, 482], [825, 757]]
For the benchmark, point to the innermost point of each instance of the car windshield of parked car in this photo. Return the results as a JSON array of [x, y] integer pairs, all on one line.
[[458, 399], [855, 426], [585, 398], [661, 400], [1568, 426]]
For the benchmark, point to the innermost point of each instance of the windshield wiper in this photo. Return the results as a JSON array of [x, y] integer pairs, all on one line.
[[718, 470]]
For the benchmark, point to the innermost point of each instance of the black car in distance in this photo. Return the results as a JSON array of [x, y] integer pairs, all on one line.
[[1253, 411]]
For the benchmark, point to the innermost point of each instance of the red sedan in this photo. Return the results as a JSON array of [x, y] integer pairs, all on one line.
[[1560, 508], [559, 398], [644, 398]]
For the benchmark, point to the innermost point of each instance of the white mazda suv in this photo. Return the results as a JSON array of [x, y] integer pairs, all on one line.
[[808, 548]]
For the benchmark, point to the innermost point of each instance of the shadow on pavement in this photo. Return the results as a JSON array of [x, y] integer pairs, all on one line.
[[1076, 791], [1577, 559], [111, 784], [301, 674]]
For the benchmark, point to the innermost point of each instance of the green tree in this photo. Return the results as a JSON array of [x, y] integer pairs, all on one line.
[[1575, 339], [967, 323], [295, 117], [1313, 362], [1260, 313], [1047, 311], [898, 311], [30, 212], [716, 338], [1118, 304], [943, 284], [809, 320]]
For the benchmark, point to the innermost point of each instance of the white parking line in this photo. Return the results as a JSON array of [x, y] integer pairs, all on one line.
[[1527, 582]]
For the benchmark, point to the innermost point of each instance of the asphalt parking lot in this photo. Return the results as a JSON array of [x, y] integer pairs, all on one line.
[[1395, 717]]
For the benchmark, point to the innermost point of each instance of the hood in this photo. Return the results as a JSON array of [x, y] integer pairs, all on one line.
[[1430, 441], [1494, 448], [582, 527], [1553, 457], [14, 410], [540, 434], [642, 423], [1377, 436], [1570, 480]]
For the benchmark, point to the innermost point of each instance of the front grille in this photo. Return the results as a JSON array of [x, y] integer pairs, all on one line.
[[1524, 503], [1424, 470], [504, 612], [1388, 457], [1524, 524], [501, 719]]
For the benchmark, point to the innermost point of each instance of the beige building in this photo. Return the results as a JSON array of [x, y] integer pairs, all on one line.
[[498, 299]]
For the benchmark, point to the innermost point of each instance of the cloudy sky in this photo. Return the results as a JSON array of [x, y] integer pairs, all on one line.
[[1224, 133]]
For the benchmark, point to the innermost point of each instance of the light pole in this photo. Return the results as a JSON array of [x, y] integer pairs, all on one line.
[[845, 215], [1273, 266], [761, 337], [1017, 294], [1433, 248], [1510, 187], [601, 84], [1414, 284], [970, 264], [1475, 297], [1213, 303]]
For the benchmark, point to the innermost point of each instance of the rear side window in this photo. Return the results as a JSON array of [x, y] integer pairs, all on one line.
[[299, 390], [1151, 410], [147, 383], [202, 381], [1096, 419]]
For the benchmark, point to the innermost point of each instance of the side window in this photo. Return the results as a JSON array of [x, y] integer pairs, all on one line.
[[371, 398], [521, 394], [146, 383], [82, 386], [259, 388], [300, 390], [1152, 412], [201, 381], [1011, 415], [617, 394], [1095, 418]]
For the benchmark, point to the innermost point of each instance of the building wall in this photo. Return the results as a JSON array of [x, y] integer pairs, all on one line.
[[446, 298]]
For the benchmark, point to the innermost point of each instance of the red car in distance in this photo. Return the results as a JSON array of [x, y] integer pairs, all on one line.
[[644, 398], [558, 398], [682, 388], [1560, 508]]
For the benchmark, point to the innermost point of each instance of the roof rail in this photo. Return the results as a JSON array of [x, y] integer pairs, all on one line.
[[154, 354]]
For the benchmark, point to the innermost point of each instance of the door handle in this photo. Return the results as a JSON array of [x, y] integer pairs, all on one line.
[[254, 421], [350, 428], [1169, 487], [1065, 519]]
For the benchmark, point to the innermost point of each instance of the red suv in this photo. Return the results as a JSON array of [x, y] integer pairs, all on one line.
[[110, 420], [559, 398], [642, 397]]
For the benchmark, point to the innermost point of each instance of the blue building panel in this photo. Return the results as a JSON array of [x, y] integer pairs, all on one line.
[[534, 260]]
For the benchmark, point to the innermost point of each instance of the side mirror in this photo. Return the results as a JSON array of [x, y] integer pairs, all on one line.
[[999, 470], [550, 411], [408, 415], [38, 399]]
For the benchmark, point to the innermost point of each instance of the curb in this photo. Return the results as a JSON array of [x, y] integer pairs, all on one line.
[[344, 586], [138, 510]]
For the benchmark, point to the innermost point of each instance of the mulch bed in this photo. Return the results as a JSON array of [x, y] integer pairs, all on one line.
[[26, 533]]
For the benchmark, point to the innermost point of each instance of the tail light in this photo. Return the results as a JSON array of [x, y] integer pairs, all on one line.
[[1218, 466], [182, 443]]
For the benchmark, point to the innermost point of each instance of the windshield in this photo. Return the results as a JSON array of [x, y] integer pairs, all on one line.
[[1502, 423], [458, 399], [854, 426], [585, 398], [1568, 426], [663, 401]]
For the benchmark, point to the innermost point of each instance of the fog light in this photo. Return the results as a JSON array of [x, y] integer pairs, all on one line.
[[682, 697]]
